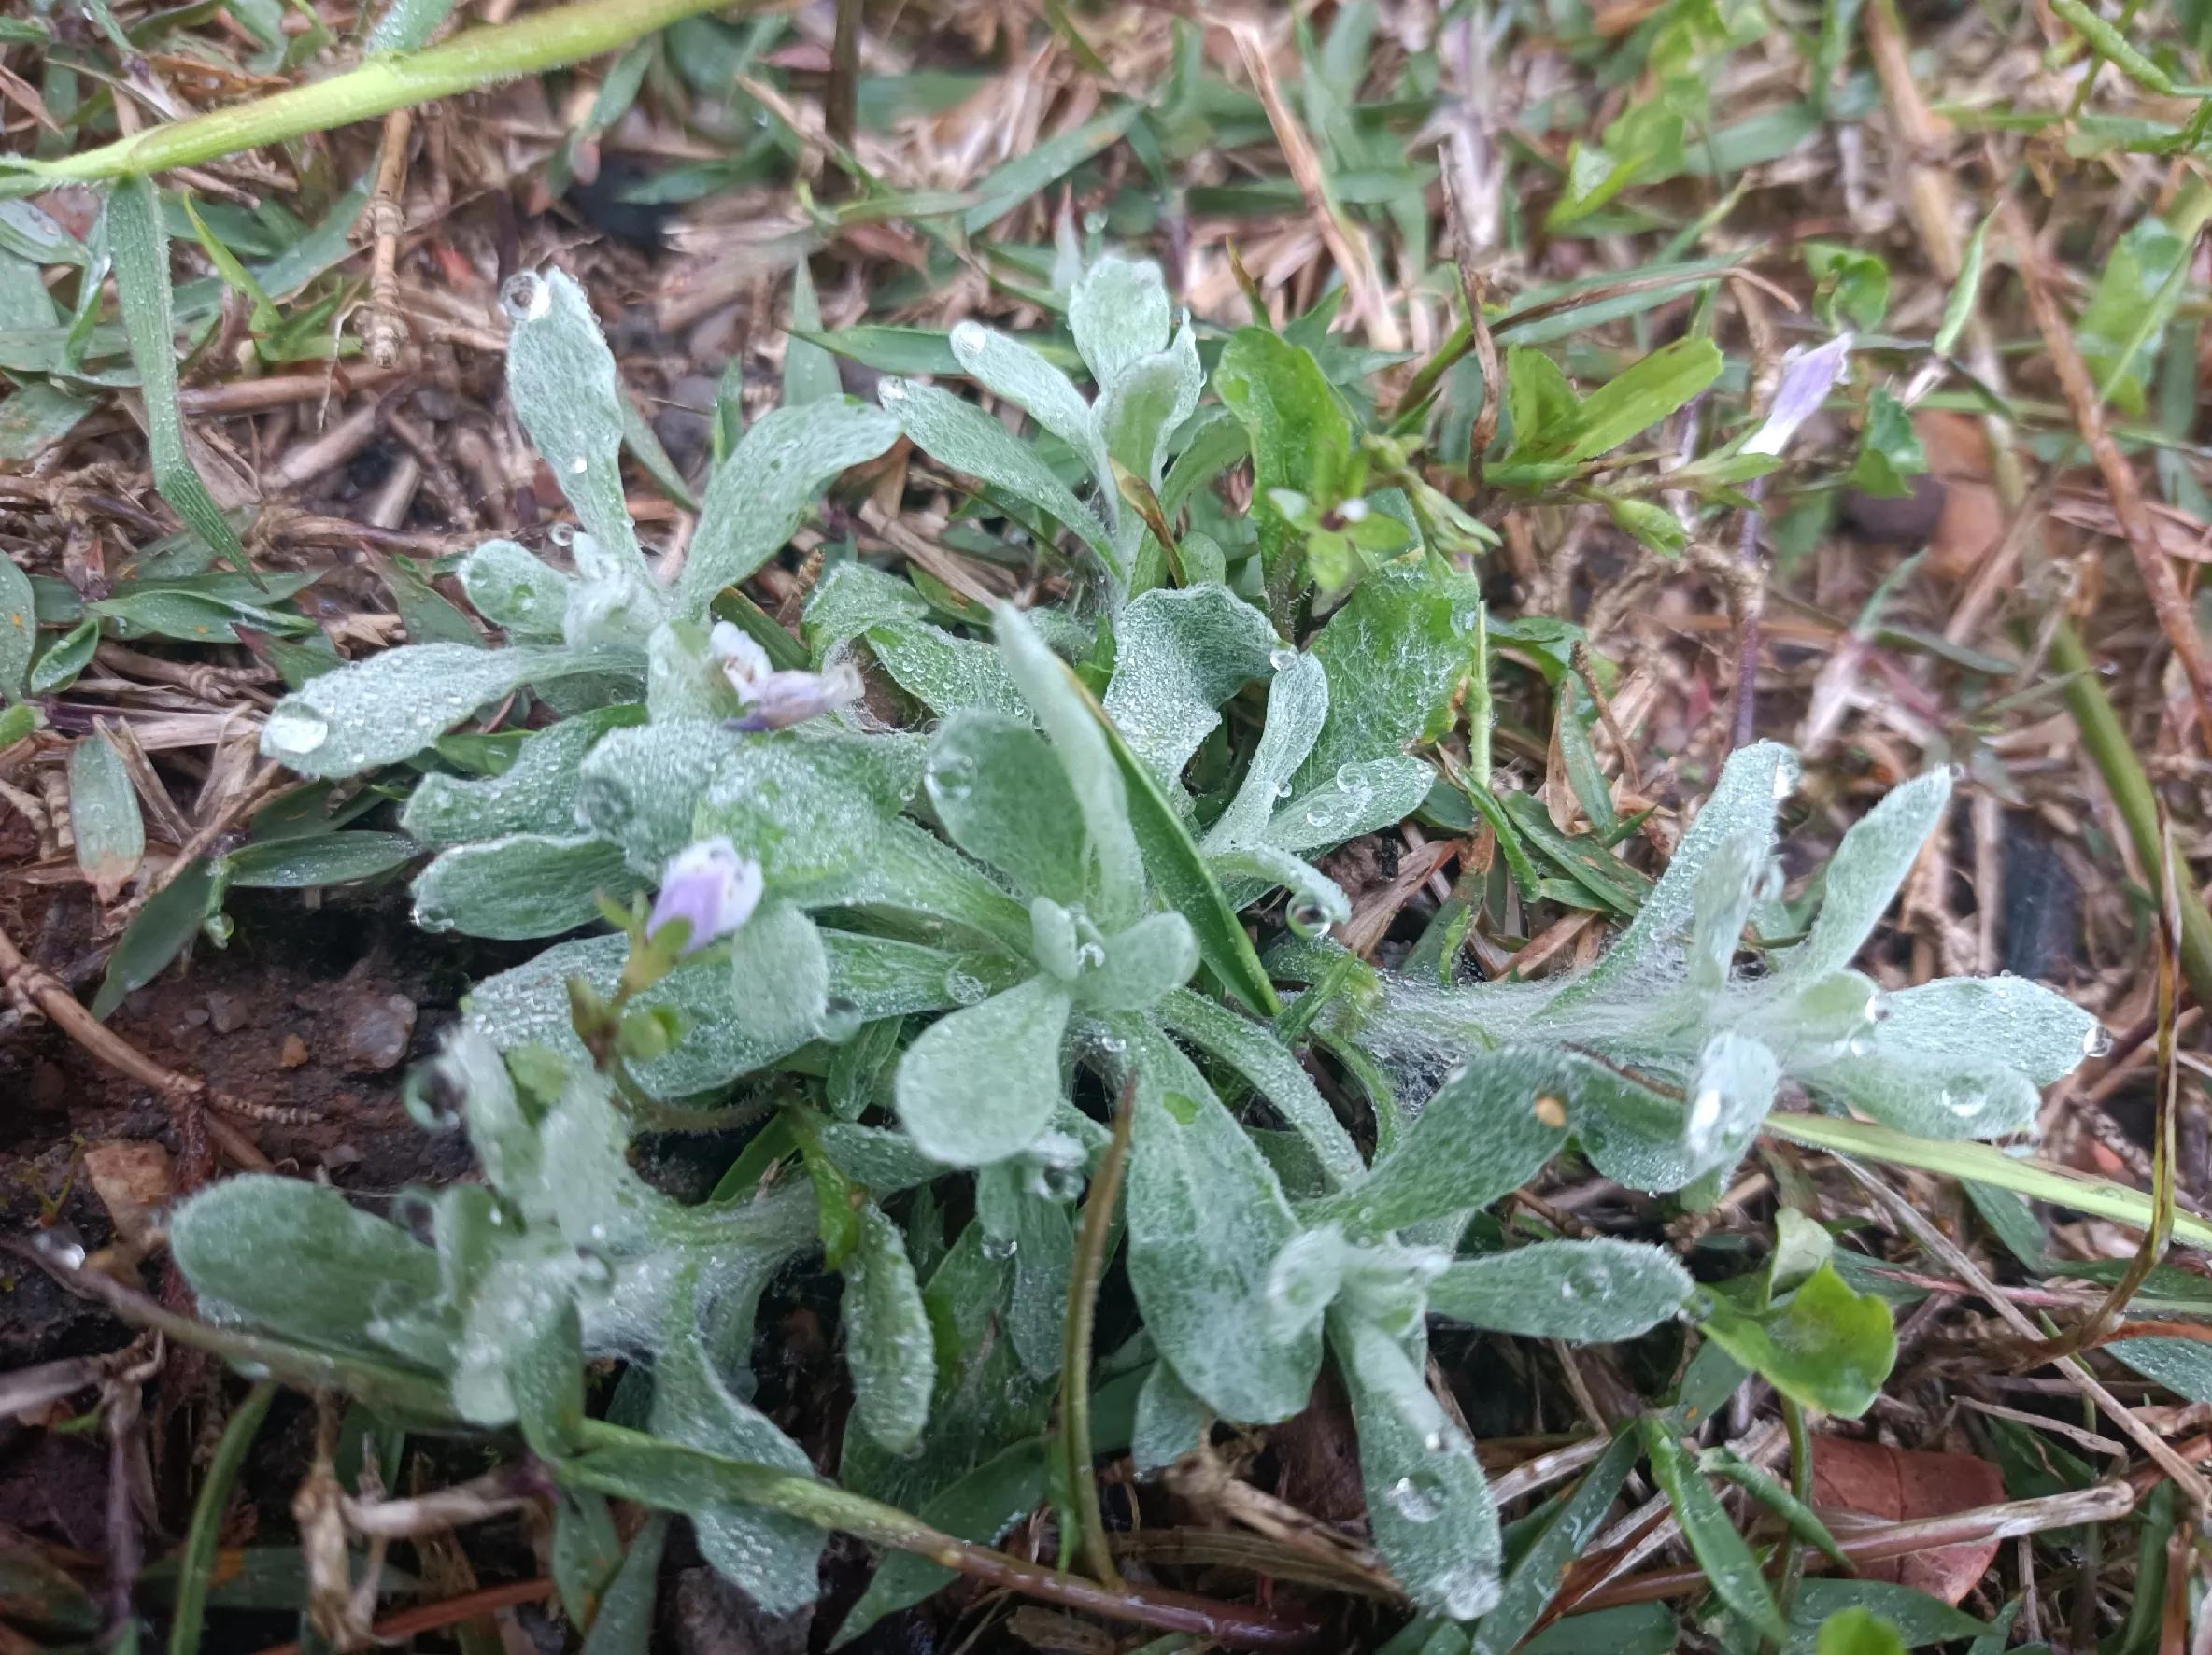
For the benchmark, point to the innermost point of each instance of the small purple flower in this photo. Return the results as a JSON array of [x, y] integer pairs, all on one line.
[[774, 699], [711, 886], [1808, 377]]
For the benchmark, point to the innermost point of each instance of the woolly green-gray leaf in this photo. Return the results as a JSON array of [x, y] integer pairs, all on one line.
[[1170, 1421], [960, 435], [1004, 798], [1068, 717], [1010, 369], [1206, 1219], [1179, 653], [1397, 655], [887, 1342], [1298, 708], [1429, 1504], [980, 1085], [775, 473], [779, 979], [1864, 875], [1151, 958], [1119, 313], [536, 793], [1248, 1048], [1593, 1292], [516, 589], [561, 380], [524, 885], [396, 702]]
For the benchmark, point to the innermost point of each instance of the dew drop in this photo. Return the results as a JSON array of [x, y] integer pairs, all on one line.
[[526, 298], [561, 535], [294, 730], [1307, 919], [1353, 511], [994, 1248], [965, 990], [952, 777], [892, 390], [1782, 785], [968, 338], [1705, 1114], [1468, 1592], [1090, 956], [1282, 658], [60, 1247], [2096, 1041], [578, 466], [1415, 1499]]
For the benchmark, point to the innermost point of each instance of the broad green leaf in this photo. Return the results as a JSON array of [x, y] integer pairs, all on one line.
[[961, 436], [769, 1557], [1566, 1530], [916, 350], [1588, 1291], [1151, 958], [2123, 324], [396, 702], [562, 380], [946, 674], [155, 937], [524, 885], [1635, 1629], [1397, 654], [1429, 1504], [1080, 739], [980, 1506], [1037, 1306], [624, 1624], [1145, 404], [887, 1340], [980, 1083], [1005, 799], [1639, 1138], [1299, 435], [1541, 402], [1858, 1630], [1827, 1348], [1119, 314], [1720, 1550], [759, 494], [320, 859], [62, 661], [810, 373], [1206, 1219], [103, 816], [1639, 398], [19, 627], [1852, 286], [1917, 1617], [139, 241], [1889, 450], [1361, 797], [811, 808], [1179, 653]]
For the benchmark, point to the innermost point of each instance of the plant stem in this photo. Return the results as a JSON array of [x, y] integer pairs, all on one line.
[[1091, 1242], [631, 1465], [206, 1526], [1792, 1550], [473, 58]]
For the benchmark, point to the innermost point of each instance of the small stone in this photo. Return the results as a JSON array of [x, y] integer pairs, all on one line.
[[293, 1054], [378, 1034], [228, 1012]]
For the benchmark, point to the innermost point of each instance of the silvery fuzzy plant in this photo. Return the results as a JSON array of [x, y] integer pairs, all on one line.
[[942, 956]]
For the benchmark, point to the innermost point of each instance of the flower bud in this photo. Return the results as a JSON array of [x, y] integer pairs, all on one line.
[[711, 886]]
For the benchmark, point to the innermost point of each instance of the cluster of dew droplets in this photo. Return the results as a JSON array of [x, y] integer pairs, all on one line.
[[951, 777], [526, 298]]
